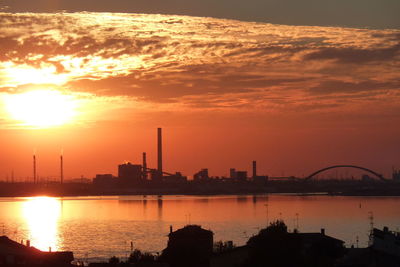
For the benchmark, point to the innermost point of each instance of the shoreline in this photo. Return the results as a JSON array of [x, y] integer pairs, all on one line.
[[203, 188], [160, 196]]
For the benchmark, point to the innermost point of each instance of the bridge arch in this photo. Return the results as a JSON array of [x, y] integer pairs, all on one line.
[[380, 176]]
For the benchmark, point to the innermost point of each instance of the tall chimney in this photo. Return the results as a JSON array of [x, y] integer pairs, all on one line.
[[159, 135], [144, 166], [34, 168], [62, 168], [254, 168]]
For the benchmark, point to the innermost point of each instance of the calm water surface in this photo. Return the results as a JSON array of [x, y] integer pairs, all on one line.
[[99, 227]]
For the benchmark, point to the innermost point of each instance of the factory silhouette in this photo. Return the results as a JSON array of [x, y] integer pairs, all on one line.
[[141, 179], [136, 174]]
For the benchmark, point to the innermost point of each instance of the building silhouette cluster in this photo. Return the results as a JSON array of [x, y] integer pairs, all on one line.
[[138, 175]]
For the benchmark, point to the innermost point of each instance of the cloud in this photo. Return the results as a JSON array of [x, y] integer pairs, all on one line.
[[336, 87], [200, 63], [356, 56]]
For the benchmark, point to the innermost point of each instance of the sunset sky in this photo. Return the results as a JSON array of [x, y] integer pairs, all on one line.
[[299, 88]]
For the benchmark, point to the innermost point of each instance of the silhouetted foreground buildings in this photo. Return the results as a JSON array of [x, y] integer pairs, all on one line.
[[386, 241], [273, 246], [15, 254], [193, 246], [384, 251]]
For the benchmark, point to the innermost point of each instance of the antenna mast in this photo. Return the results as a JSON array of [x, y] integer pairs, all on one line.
[[371, 223]]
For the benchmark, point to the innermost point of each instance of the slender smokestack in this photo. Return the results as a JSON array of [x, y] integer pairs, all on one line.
[[254, 168], [144, 166], [34, 168], [62, 168], [159, 135]]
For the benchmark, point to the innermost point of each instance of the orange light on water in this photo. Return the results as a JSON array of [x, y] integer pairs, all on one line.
[[42, 216]]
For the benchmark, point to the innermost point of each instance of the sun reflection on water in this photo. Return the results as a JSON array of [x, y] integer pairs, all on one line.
[[42, 216]]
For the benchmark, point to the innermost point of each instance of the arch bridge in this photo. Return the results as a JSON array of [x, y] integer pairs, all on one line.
[[380, 176]]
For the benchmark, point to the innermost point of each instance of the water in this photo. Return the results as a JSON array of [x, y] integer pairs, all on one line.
[[96, 228]]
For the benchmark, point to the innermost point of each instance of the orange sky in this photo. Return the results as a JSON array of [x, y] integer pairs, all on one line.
[[294, 98]]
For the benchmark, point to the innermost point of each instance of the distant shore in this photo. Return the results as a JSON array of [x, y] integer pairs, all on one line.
[[335, 188]]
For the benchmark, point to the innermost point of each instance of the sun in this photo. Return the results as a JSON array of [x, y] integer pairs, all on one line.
[[41, 108]]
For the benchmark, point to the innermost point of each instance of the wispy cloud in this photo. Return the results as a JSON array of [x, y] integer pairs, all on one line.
[[201, 63]]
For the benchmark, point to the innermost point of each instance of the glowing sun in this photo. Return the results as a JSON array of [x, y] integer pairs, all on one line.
[[41, 108]]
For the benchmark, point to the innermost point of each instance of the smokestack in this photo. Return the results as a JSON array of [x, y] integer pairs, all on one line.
[[254, 168], [159, 139], [144, 166], [61, 168], [34, 168]]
